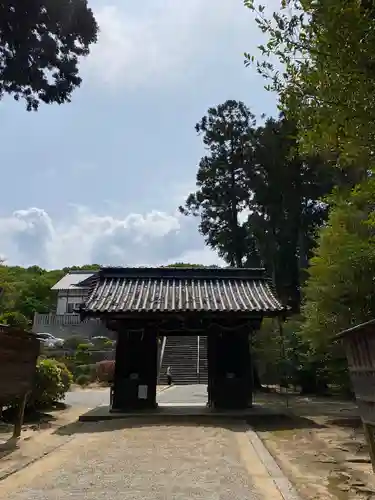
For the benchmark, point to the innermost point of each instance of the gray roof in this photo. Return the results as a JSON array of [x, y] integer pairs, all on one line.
[[72, 280], [118, 290]]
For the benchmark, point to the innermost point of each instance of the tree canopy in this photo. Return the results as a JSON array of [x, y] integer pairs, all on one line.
[[28, 290], [319, 59], [257, 199], [41, 42], [222, 194]]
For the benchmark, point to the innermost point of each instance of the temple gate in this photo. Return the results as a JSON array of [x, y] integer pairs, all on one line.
[[226, 304]]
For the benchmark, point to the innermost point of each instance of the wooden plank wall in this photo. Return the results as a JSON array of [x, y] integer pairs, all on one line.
[[19, 351]]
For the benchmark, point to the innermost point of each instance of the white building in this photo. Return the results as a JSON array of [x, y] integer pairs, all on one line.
[[69, 292], [65, 321]]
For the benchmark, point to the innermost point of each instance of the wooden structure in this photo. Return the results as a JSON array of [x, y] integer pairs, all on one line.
[[19, 351], [227, 305], [359, 343]]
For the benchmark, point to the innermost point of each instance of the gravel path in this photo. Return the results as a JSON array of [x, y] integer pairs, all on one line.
[[170, 462]]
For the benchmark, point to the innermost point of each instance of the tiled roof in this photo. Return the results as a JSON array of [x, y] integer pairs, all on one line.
[[72, 280], [181, 289]]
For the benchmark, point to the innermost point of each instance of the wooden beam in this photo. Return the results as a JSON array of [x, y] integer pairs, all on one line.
[[20, 416]]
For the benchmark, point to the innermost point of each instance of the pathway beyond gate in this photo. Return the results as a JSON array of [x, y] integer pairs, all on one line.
[[123, 460]]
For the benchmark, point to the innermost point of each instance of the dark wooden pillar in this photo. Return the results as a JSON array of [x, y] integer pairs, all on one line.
[[136, 370], [230, 371]]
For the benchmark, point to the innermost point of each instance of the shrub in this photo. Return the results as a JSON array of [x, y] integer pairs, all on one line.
[[83, 355], [72, 343], [105, 371], [83, 379], [69, 362], [87, 370], [51, 384], [66, 376], [84, 347], [100, 342]]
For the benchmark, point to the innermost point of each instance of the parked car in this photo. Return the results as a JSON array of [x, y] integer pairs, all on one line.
[[48, 340], [101, 340]]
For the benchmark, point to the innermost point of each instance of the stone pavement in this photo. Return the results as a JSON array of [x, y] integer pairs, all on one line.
[[121, 460], [184, 394]]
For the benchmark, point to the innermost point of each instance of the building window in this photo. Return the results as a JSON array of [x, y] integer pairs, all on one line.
[[71, 307]]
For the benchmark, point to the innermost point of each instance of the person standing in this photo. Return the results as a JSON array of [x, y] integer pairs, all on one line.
[[169, 375]]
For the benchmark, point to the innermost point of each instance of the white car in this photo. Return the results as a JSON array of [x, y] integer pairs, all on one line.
[[49, 340]]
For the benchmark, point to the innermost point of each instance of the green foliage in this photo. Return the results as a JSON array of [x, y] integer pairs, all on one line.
[[16, 319], [83, 379], [73, 342], [291, 359], [222, 194], [83, 354], [28, 290], [51, 384], [326, 85], [285, 207], [66, 376], [101, 342], [257, 198], [87, 370], [340, 288], [326, 50], [40, 47]]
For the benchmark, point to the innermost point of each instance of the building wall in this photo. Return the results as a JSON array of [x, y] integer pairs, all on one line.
[[65, 297], [66, 325]]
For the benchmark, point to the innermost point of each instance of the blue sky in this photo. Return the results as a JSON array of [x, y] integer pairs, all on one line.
[[100, 179]]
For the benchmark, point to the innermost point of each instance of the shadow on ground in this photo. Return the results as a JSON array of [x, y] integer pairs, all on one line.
[[282, 423], [264, 423], [308, 406], [350, 422]]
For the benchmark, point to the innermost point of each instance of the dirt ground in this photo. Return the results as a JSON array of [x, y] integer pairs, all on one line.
[[37, 440], [320, 446], [41, 437]]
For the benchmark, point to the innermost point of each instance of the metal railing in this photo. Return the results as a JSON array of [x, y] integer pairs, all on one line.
[[56, 319], [161, 355], [198, 359]]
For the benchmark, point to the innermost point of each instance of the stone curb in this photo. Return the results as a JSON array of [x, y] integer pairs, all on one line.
[[286, 489]]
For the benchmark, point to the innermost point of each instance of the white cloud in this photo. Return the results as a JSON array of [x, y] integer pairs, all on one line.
[[159, 42], [31, 237]]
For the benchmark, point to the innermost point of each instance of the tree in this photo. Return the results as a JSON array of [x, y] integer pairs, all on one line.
[[15, 319], [222, 194], [41, 42], [326, 83], [340, 288], [285, 208], [258, 199], [28, 290]]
